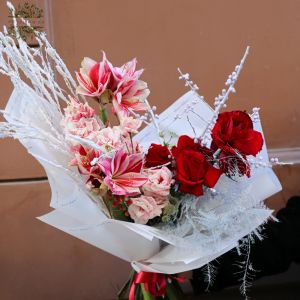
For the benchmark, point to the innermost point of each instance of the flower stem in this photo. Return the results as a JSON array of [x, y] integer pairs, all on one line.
[[103, 114], [124, 292], [146, 295], [105, 199], [173, 291], [130, 135]]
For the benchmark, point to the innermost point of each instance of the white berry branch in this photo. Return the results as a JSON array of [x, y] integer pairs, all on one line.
[[193, 87], [220, 101]]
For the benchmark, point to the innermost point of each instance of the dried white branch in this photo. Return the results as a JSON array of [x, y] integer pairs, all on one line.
[[34, 64]]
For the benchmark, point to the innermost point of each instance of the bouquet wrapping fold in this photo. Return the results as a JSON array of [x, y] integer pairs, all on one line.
[[147, 248]]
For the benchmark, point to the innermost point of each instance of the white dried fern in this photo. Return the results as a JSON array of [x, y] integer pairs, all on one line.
[[210, 274], [247, 271]]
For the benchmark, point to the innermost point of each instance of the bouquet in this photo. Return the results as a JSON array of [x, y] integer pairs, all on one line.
[[168, 192]]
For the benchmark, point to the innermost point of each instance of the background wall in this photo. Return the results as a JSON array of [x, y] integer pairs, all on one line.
[[203, 37]]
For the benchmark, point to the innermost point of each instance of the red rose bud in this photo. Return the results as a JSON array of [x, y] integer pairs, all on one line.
[[192, 168], [157, 155], [233, 132], [234, 165]]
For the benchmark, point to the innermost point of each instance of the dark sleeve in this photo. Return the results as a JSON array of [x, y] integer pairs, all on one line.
[[280, 247]]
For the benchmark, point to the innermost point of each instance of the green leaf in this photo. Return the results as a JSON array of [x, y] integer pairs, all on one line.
[[138, 293], [124, 292], [146, 294], [103, 115], [173, 291]]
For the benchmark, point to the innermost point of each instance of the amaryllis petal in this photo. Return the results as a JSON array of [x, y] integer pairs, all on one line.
[[82, 91], [132, 179], [85, 82], [93, 77], [135, 162], [120, 163], [117, 189], [123, 173], [87, 63], [105, 165], [134, 104], [94, 74]]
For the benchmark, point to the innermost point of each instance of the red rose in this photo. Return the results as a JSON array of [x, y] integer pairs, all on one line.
[[233, 132], [192, 168], [187, 143], [157, 155], [234, 165]]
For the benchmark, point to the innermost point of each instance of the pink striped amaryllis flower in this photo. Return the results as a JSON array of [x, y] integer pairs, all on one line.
[[93, 77], [123, 174], [120, 85], [130, 92], [86, 160], [131, 98]]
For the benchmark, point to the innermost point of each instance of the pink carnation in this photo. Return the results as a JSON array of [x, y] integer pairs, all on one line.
[[144, 208], [77, 110], [158, 184], [79, 119], [129, 125], [109, 138]]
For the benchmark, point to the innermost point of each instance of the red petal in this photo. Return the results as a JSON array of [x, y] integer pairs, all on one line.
[[94, 74], [184, 142], [212, 176], [250, 144], [196, 189]]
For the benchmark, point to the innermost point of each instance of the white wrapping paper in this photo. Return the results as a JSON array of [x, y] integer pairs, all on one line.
[[147, 248]]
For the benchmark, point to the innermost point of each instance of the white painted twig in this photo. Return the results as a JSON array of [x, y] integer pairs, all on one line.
[[221, 103]]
